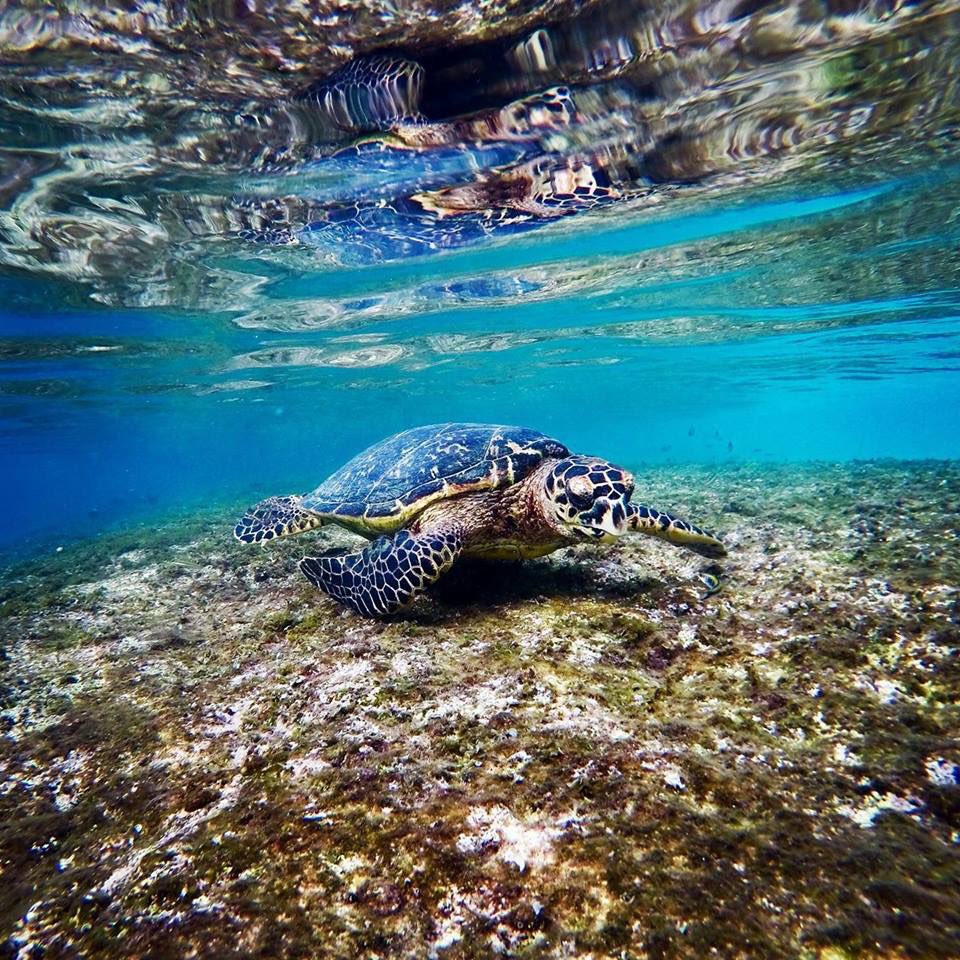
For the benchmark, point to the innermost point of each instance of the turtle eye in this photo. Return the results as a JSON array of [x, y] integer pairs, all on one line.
[[580, 493]]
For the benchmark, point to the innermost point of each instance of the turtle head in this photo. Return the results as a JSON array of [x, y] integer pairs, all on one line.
[[587, 499]]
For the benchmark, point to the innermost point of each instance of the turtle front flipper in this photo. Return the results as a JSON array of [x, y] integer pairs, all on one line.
[[654, 523], [275, 517], [387, 575]]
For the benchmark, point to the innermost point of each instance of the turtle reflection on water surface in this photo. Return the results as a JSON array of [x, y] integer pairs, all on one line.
[[432, 494]]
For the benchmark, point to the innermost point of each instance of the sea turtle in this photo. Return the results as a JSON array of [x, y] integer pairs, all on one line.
[[432, 494]]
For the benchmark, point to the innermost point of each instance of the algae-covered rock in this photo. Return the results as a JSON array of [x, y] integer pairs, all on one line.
[[586, 755]]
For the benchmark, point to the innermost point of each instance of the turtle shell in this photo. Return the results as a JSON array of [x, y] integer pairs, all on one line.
[[382, 488]]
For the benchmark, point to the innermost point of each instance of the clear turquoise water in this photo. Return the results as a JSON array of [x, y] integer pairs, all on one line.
[[805, 308]]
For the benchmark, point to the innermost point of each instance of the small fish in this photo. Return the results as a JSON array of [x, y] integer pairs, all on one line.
[[712, 582]]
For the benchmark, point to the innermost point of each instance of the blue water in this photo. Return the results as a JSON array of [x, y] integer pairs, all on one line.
[[157, 358]]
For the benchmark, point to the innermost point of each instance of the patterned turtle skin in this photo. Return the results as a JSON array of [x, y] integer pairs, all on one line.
[[429, 495]]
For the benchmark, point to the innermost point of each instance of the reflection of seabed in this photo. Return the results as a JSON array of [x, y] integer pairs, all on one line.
[[154, 184]]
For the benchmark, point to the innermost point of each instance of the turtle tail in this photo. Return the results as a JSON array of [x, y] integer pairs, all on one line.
[[275, 517]]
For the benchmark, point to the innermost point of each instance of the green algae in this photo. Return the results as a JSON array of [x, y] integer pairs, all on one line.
[[579, 757]]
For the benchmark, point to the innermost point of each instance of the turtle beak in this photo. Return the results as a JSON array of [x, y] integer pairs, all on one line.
[[609, 523], [609, 517]]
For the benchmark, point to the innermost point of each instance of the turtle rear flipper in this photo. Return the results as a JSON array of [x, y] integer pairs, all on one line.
[[387, 575], [655, 523], [275, 517]]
